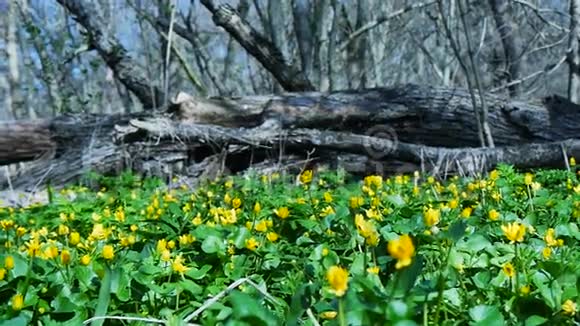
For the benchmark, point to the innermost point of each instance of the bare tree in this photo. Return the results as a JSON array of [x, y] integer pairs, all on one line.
[[504, 26], [574, 52]]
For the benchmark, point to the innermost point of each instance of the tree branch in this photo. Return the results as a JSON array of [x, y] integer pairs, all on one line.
[[290, 77], [114, 54]]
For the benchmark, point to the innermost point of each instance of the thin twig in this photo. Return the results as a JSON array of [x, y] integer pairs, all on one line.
[[381, 20], [168, 54], [548, 70], [147, 320], [312, 317], [222, 294]]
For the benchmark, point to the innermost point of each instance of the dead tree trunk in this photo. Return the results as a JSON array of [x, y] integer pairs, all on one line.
[[366, 131]]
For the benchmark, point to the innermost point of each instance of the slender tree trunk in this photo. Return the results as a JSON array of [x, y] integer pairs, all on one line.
[[504, 26], [301, 10], [574, 52], [16, 100]]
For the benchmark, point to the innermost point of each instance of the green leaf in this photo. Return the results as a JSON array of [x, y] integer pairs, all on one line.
[[16, 321], [484, 315], [535, 321], [482, 279], [246, 308], [213, 244], [396, 200], [457, 230], [198, 274], [191, 287], [104, 297], [301, 300], [397, 310], [409, 275], [120, 284], [476, 243], [240, 237]]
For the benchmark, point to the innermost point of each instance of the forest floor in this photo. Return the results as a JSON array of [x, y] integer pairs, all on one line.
[[317, 248]]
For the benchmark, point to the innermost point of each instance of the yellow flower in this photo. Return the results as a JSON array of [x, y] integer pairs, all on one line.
[[95, 217], [134, 228], [325, 252], [236, 203], [65, 257], [99, 232], [171, 244], [328, 315], [108, 252], [20, 231], [373, 270], [493, 175], [493, 215], [528, 179], [186, 239], [85, 260], [166, 255], [33, 247], [536, 186], [257, 208], [572, 161], [9, 262], [569, 307], [261, 226], [74, 238], [453, 203], [373, 180], [431, 217], [229, 184], [374, 214], [356, 202], [306, 177], [550, 238], [161, 245], [338, 279], [509, 269], [63, 229], [402, 249], [514, 232], [546, 252], [7, 224], [272, 236], [525, 290], [282, 212], [177, 265], [120, 214], [328, 197], [2, 274], [466, 212], [252, 244], [50, 252], [367, 230], [197, 220], [17, 302]]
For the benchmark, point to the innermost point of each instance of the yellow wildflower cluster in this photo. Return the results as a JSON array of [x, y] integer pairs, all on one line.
[[402, 249], [367, 230]]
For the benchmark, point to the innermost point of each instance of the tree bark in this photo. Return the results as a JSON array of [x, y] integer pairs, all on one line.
[[290, 77], [114, 54], [374, 130], [574, 52], [503, 25]]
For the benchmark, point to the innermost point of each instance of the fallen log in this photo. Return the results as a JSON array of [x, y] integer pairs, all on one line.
[[374, 131]]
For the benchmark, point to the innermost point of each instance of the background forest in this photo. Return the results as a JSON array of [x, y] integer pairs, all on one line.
[[49, 65]]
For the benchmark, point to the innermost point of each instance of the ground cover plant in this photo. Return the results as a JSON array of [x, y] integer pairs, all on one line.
[[317, 248]]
